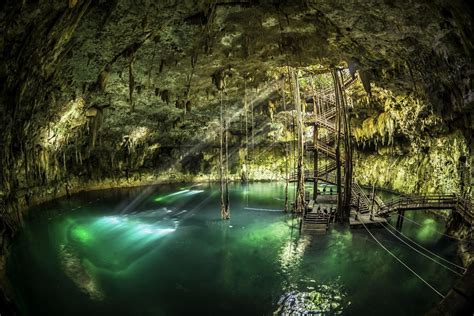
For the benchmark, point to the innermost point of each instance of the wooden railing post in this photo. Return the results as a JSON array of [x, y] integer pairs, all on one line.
[[358, 208]]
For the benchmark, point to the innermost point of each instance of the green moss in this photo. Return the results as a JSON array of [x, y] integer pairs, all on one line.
[[436, 170]]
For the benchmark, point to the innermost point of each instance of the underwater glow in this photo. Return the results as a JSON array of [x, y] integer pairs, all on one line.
[[162, 198], [428, 230], [81, 234], [180, 258], [185, 192], [116, 242]]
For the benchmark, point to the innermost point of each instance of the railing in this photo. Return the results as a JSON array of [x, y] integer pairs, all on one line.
[[330, 90], [322, 147], [311, 118], [327, 124], [325, 107], [310, 174], [359, 197], [465, 209], [379, 201], [422, 199], [437, 201], [328, 139], [365, 202]]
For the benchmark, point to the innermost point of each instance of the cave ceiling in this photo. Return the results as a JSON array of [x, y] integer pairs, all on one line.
[[140, 64]]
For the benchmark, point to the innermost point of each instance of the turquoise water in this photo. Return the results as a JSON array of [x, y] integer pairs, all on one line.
[[164, 251]]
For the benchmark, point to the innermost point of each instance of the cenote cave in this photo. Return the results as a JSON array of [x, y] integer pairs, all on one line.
[[249, 157]]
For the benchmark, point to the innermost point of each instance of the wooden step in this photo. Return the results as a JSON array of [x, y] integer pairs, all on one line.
[[325, 222], [315, 228]]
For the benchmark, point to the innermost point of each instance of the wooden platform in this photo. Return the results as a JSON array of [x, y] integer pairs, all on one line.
[[316, 218], [365, 219], [315, 223], [327, 198]]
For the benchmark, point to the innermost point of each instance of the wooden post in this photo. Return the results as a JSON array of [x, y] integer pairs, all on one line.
[[372, 204], [225, 214], [246, 122], [341, 97], [357, 209], [221, 157], [373, 195], [315, 162], [287, 151], [315, 141], [339, 212], [227, 201], [300, 198]]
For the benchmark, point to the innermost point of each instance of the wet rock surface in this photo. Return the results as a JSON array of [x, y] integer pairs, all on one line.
[[95, 89]]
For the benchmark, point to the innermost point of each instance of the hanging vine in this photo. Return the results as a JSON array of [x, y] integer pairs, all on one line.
[[131, 78], [223, 163], [246, 127]]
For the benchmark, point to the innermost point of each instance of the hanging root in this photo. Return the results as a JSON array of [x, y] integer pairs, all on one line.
[[131, 83]]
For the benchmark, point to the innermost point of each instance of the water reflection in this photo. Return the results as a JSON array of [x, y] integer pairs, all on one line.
[[314, 299], [292, 252], [139, 256], [304, 296]]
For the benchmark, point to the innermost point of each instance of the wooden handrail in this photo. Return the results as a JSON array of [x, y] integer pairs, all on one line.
[[452, 201]]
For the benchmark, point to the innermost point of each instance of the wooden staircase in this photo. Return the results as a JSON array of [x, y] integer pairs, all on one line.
[[315, 222], [324, 116], [309, 175], [359, 199]]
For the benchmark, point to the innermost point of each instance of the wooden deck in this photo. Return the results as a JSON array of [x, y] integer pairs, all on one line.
[[365, 219], [316, 218]]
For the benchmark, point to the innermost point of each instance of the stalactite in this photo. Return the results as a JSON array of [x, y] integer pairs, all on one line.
[[76, 156], [152, 63], [26, 165], [64, 161], [194, 58], [103, 78], [131, 77]]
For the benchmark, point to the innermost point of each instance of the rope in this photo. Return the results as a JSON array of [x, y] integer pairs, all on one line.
[[246, 122], [403, 263], [437, 231], [425, 255]]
